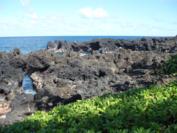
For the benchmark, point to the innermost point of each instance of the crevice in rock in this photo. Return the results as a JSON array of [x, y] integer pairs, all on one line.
[[27, 84]]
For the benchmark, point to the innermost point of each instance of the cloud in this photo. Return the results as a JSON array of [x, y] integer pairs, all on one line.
[[34, 17], [29, 12], [93, 13], [25, 2]]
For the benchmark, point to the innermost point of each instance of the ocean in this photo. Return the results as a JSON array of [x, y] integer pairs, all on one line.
[[31, 44]]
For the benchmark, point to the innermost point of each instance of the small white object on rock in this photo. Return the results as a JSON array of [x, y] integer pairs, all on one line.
[[3, 117]]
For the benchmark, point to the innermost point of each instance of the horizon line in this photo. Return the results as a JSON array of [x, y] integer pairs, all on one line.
[[91, 36]]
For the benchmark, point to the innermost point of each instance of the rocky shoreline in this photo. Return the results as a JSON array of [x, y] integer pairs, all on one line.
[[69, 71]]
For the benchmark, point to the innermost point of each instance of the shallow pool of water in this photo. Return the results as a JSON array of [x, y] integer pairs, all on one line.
[[27, 85]]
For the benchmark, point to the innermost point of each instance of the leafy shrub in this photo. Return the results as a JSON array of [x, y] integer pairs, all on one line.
[[148, 110], [170, 67]]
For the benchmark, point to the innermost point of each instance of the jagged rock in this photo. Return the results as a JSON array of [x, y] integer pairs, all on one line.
[[16, 52], [52, 45], [10, 79], [36, 63], [17, 62], [121, 87], [109, 66], [22, 105], [144, 44]]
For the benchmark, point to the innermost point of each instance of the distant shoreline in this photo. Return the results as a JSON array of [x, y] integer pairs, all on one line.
[[29, 44]]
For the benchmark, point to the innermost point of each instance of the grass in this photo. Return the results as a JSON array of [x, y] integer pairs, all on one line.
[[145, 110]]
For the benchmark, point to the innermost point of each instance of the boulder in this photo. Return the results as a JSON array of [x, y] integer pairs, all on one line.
[[36, 63], [52, 46]]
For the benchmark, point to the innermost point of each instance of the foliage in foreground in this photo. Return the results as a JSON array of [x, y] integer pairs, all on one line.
[[146, 110], [170, 67]]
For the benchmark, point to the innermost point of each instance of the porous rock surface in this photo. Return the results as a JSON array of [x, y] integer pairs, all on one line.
[[68, 71]]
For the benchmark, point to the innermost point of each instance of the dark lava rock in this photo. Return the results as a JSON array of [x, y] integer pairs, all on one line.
[[52, 45], [10, 79], [111, 66], [94, 45], [16, 52], [121, 87], [49, 101], [36, 63]]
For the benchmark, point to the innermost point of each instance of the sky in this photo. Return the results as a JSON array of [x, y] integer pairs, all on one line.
[[88, 17]]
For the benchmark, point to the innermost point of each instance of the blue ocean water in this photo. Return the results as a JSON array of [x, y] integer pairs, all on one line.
[[30, 44], [28, 85]]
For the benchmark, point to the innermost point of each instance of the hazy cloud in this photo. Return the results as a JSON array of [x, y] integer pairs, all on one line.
[[93, 13], [33, 16], [25, 2]]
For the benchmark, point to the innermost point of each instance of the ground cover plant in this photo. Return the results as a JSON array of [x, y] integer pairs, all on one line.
[[170, 67]]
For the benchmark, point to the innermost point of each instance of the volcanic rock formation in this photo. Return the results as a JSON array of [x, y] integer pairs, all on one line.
[[68, 71]]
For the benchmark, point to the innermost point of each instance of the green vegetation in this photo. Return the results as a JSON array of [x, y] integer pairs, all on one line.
[[170, 67], [145, 110]]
